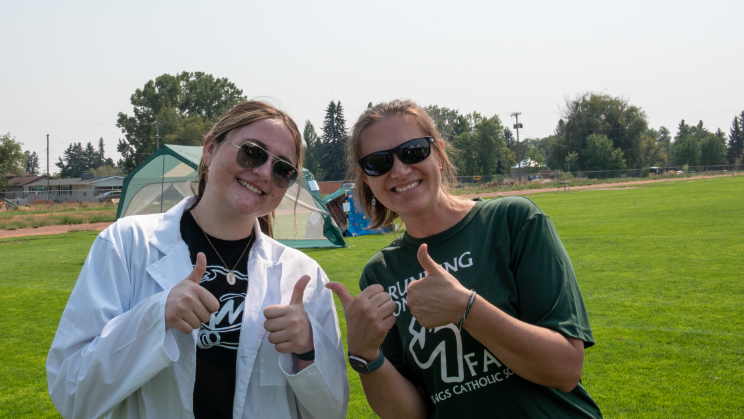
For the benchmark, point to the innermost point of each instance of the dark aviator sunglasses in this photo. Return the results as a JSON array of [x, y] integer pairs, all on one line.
[[252, 156], [410, 152]]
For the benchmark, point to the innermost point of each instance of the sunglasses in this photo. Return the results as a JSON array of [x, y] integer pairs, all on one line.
[[410, 152], [252, 156]]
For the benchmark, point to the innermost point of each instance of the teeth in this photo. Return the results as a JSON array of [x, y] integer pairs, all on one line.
[[250, 187], [407, 187]]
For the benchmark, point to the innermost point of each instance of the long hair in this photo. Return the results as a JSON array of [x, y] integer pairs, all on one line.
[[243, 114], [379, 215]]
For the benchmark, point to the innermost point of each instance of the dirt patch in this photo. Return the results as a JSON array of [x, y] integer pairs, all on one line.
[[597, 186], [58, 229]]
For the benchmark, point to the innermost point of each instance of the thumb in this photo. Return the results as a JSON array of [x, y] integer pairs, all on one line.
[[201, 266], [299, 290], [426, 261], [341, 292]]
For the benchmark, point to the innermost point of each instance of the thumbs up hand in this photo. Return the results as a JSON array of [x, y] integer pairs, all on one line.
[[437, 299], [369, 316], [189, 304], [288, 326]]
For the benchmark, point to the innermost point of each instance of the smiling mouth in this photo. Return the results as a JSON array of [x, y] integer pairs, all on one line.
[[407, 187], [250, 187]]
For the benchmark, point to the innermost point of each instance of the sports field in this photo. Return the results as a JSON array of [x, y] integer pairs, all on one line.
[[661, 269]]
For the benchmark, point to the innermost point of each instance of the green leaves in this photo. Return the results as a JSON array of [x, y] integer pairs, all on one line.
[[186, 105], [12, 159]]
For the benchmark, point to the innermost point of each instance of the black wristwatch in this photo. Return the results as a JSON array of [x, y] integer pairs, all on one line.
[[365, 367]]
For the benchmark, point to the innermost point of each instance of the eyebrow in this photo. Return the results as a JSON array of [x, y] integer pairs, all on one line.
[[263, 145]]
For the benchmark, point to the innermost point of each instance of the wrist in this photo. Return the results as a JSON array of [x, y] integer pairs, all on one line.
[[368, 354]]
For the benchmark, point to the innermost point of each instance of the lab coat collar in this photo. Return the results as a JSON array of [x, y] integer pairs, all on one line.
[[176, 264]]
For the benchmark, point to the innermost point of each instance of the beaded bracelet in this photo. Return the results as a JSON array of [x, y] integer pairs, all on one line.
[[467, 310]]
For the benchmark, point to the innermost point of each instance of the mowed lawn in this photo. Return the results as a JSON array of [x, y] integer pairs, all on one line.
[[661, 269]]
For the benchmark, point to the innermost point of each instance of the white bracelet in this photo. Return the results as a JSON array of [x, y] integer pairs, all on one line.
[[467, 310]]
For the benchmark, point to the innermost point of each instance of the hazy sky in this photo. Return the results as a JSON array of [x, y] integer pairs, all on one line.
[[68, 68]]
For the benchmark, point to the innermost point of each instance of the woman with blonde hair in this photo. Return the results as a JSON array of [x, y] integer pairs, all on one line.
[[475, 310], [198, 312]]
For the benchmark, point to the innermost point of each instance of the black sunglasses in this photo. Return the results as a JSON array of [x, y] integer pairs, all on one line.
[[410, 152], [251, 156]]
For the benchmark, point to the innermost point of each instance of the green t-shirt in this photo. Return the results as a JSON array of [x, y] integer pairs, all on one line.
[[508, 251]]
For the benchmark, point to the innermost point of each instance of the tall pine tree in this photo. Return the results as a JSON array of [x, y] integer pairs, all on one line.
[[736, 140], [333, 147], [312, 150]]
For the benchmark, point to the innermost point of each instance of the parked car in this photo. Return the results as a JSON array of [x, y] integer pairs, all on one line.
[[108, 196]]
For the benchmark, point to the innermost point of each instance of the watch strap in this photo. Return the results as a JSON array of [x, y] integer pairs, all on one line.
[[363, 366]]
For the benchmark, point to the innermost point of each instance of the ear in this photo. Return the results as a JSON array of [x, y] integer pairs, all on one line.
[[364, 175], [208, 150]]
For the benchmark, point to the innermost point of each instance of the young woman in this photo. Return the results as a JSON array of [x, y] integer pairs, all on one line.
[[475, 310], [197, 312]]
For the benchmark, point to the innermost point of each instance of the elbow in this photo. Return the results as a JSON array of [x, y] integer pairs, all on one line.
[[569, 380]]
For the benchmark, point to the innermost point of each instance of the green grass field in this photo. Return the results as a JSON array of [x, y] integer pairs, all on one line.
[[660, 268]]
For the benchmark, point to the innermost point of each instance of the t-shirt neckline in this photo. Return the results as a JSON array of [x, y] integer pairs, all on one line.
[[407, 240]]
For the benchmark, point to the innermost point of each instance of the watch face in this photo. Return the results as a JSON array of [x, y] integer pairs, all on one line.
[[357, 365]]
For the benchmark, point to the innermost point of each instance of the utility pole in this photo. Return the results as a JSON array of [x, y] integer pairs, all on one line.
[[157, 133], [49, 190], [517, 126]]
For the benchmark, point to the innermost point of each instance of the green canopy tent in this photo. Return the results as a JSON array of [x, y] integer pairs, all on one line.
[[165, 178]]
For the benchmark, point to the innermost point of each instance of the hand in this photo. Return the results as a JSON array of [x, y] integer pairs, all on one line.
[[189, 304], [437, 299], [289, 327], [369, 316]]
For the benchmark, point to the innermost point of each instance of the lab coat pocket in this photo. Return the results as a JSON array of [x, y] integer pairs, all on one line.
[[271, 374]]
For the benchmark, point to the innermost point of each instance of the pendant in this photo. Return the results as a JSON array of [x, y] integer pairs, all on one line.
[[231, 277]]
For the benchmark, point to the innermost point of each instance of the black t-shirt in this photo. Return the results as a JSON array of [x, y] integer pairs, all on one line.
[[217, 345]]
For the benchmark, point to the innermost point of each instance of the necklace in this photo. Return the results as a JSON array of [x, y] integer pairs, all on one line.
[[230, 272]]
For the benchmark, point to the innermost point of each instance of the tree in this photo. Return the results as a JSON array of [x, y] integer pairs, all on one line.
[[572, 160], [477, 148], [736, 140], [713, 149], [686, 150], [601, 114], [448, 121], [32, 162], [333, 147], [312, 150], [652, 150], [78, 159], [12, 159], [187, 105], [600, 155], [665, 138]]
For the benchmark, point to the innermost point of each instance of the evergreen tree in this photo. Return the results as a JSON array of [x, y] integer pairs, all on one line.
[[332, 151], [78, 159], [736, 140], [312, 150], [32, 162]]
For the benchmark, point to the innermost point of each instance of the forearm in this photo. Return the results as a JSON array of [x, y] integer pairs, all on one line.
[[391, 395], [534, 353]]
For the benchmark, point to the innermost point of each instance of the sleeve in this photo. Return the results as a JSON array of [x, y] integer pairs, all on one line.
[[549, 294], [322, 389], [104, 350]]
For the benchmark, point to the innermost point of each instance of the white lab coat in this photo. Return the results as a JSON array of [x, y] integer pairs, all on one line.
[[113, 356]]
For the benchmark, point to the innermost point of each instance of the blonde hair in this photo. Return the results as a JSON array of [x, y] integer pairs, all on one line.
[[379, 215], [241, 115]]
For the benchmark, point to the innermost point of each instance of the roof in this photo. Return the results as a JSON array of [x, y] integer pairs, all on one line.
[[16, 181], [54, 182]]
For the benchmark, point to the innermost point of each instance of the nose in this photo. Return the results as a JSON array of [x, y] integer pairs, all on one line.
[[264, 171], [400, 170]]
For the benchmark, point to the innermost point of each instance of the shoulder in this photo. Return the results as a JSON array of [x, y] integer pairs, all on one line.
[[132, 229]]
